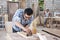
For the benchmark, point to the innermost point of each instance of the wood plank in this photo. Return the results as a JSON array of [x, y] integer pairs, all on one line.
[[15, 36], [54, 32], [23, 34]]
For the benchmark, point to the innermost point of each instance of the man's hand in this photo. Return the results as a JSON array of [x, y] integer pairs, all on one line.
[[28, 31]]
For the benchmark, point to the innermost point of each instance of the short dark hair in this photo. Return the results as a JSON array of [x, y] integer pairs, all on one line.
[[28, 11]]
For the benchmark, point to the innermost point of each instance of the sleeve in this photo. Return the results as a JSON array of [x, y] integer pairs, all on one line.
[[16, 19], [16, 16]]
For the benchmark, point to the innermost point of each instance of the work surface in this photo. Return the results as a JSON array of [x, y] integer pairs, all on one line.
[[15, 36], [55, 32]]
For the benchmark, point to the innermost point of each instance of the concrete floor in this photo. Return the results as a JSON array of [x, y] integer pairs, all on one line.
[[2, 34]]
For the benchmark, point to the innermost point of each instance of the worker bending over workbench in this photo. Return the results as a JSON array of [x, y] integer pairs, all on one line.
[[22, 20]]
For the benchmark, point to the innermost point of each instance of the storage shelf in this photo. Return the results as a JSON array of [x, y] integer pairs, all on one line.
[[2, 23]]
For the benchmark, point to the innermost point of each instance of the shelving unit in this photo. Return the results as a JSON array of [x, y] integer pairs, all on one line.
[[2, 22]]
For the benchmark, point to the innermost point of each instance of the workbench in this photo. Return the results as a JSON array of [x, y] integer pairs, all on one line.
[[56, 19], [15, 36]]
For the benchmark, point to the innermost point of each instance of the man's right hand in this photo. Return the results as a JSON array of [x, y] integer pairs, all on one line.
[[28, 31]]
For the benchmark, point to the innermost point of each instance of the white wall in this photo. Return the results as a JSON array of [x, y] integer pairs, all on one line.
[[50, 5]]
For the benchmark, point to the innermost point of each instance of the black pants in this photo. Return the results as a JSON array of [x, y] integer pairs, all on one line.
[[14, 31]]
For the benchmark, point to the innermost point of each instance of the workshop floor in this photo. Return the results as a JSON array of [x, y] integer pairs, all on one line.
[[2, 34]]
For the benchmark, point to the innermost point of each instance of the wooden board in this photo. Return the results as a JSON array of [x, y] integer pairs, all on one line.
[[23, 34], [54, 32]]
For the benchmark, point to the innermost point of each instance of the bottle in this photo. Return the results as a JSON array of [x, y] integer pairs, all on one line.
[[33, 26], [34, 31]]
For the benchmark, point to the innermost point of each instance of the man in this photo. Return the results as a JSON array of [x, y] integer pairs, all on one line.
[[22, 19], [47, 14]]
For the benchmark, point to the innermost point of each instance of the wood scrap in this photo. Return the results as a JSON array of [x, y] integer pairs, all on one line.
[[24, 34]]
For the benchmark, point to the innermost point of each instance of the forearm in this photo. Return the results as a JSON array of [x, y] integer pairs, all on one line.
[[19, 25], [27, 26]]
